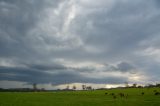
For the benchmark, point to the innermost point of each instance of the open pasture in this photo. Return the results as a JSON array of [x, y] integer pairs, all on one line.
[[113, 97]]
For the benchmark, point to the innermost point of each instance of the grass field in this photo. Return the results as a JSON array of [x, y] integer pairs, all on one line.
[[82, 98]]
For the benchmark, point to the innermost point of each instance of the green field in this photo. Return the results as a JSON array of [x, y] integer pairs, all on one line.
[[82, 98]]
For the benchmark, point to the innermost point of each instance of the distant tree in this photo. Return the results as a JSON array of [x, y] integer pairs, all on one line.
[[84, 87], [89, 87], [157, 85], [42, 89], [150, 85], [134, 85], [74, 87], [126, 84], [67, 87], [35, 86], [139, 86]]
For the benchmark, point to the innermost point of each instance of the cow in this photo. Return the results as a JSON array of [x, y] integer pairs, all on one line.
[[142, 93], [157, 93]]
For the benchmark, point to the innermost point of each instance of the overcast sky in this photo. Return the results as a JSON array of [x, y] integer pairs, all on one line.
[[79, 41]]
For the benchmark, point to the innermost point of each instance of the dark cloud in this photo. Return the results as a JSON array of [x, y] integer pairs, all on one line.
[[48, 67], [61, 41], [56, 77], [124, 66], [118, 31], [17, 19]]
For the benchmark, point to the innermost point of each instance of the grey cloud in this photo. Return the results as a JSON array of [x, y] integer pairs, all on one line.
[[47, 67], [35, 34], [124, 66], [88, 69], [17, 21], [119, 31], [61, 77], [32, 75]]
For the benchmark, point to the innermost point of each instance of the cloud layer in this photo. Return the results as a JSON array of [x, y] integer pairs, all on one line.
[[79, 41]]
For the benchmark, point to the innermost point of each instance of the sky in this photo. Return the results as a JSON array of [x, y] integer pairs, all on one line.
[[58, 42]]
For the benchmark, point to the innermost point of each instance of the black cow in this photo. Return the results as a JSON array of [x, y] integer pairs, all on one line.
[[157, 93], [142, 93]]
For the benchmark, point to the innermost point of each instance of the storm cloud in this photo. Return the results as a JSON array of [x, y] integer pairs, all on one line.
[[79, 41]]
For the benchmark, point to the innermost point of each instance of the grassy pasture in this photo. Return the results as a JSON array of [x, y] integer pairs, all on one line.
[[82, 98]]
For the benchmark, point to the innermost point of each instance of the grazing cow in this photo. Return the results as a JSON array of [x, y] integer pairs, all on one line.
[[142, 93], [126, 96], [157, 93], [114, 97], [121, 94], [112, 94], [106, 93]]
